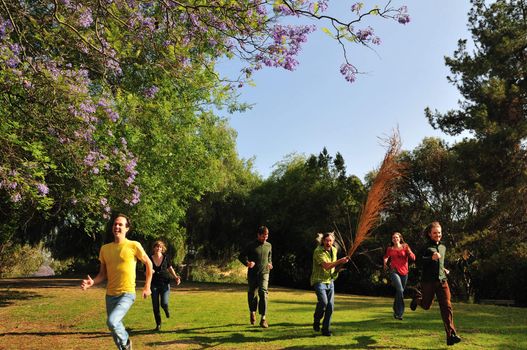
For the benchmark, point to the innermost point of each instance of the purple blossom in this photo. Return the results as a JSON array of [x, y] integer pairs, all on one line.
[[357, 7], [349, 72], [364, 34], [12, 62], [402, 16], [15, 48], [42, 189], [130, 167], [103, 201], [85, 17], [16, 197], [91, 158], [321, 6], [5, 27], [136, 196], [151, 91]]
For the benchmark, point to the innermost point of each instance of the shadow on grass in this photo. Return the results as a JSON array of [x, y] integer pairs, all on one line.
[[281, 332], [45, 334], [40, 282], [9, 297], [362, 342]]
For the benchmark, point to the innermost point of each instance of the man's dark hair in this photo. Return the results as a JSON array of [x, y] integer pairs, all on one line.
[[262, 230], [128, 222]]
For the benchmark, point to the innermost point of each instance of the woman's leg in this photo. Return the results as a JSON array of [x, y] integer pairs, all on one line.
[[156, 290], [399, 294], [165, 296]]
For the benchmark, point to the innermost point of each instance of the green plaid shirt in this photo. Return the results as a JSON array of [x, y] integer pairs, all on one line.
[[319, 274]]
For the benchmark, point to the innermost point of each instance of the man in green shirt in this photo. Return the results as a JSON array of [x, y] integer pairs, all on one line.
[[322, 277], [257, 256]]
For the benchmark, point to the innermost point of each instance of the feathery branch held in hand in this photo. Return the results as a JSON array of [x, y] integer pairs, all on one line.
[[379, 195]]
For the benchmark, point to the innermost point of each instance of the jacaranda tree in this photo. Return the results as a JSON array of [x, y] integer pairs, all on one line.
[[108, 104]]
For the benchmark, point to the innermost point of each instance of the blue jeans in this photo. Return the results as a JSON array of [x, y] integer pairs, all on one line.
[[160, 293], [116, 309], [398, 282], [325, 304]]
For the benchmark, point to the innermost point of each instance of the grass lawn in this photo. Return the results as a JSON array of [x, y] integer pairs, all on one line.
[[56, 314]]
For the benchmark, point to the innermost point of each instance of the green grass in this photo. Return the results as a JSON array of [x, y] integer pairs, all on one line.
[[55, 314]]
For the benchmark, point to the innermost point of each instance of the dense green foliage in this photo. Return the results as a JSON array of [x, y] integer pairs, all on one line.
[[112, 106]]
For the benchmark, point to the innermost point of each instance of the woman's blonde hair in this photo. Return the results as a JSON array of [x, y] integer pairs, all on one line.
[[159, 244]]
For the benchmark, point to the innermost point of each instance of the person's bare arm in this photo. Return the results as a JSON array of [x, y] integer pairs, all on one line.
[[175, 275], [330, 265], [101, 277], [148, 272]]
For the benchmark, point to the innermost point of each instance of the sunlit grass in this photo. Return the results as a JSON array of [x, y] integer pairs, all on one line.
[[216, 316]]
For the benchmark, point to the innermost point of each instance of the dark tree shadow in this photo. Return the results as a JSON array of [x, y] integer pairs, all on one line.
[[9, 297]]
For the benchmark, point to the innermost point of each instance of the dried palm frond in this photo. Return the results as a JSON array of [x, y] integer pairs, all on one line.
[[379, 195]]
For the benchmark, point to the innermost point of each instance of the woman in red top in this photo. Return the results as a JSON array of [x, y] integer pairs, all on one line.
[[398, 254]]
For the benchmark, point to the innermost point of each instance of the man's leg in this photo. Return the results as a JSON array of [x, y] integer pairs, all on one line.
[[322, 302], [252, 298], [116, 309], [445, 306], [330, 293], [263, 285], [427, 297]]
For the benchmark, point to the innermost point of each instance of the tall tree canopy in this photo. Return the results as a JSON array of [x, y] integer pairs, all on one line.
[[492, 162], [107, 105]]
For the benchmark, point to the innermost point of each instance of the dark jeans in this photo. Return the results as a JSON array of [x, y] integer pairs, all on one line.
[[442, 291], [257, 292], [160, 293], [398, 282], [325, 304]]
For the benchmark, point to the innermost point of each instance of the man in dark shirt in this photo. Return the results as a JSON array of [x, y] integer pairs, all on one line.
[[257, 257], [434, 281]]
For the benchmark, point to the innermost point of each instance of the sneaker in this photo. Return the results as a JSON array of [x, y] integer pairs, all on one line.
[[158, 328], [453, 339], [264, 324], [326, 333], [316, 326], [400, 318], [128, 345], [253, 317]]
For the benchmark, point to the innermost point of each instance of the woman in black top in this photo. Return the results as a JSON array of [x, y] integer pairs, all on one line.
[[160, 286]]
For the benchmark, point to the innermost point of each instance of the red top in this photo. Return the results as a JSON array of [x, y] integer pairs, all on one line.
[[399, 259]]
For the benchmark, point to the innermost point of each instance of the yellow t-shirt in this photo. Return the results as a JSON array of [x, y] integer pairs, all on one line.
[[120, 260]]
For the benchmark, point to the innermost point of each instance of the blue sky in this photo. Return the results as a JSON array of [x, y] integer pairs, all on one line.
[[314, 107]]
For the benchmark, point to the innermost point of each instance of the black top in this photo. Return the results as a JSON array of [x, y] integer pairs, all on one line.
[[161, 274], [433, 270]]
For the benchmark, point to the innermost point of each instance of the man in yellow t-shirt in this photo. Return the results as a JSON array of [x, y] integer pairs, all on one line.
[[118, 261]]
